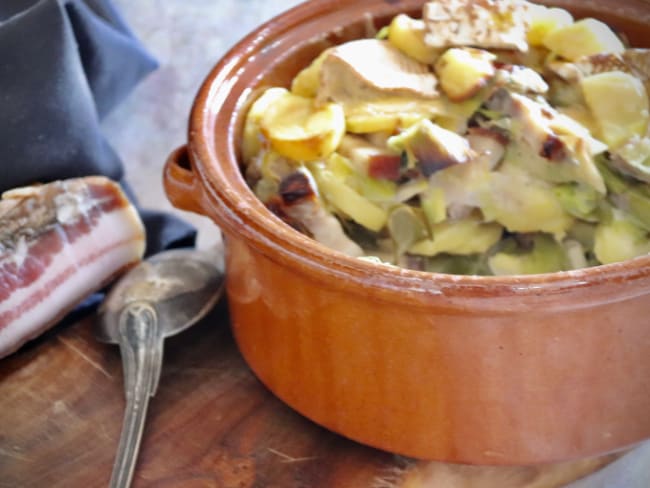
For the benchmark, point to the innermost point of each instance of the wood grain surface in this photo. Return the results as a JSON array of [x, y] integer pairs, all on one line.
[[211, 424]]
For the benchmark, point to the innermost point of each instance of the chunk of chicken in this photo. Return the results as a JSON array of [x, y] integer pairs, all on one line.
[[300, 202], [488, 144], [633, 158], [520, 79], [551, 136], [432, 147], [485, 24], [632, 61], [372, 69]]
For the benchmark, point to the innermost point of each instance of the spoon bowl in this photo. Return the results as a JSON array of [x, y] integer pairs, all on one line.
[[182, 285], [160, 297]]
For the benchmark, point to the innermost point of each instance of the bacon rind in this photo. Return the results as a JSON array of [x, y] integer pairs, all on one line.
[[59, 243]]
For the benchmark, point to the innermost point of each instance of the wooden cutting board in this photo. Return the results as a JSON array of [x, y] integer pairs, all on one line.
[[211, 424]]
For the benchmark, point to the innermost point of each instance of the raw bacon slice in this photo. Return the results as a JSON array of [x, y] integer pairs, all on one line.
[[59, 243]]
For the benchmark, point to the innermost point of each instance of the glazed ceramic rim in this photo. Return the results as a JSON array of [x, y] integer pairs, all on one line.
[[214, 159]]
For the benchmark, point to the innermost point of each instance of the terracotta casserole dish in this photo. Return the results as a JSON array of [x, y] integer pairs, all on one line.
[[487, 370]]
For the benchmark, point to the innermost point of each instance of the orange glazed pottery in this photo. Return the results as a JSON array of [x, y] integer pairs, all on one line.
[[487, 370]]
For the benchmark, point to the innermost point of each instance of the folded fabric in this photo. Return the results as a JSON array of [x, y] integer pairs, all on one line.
[[64, 64]]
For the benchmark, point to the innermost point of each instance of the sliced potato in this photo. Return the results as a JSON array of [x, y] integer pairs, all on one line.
[[619, 103], [523, 204], [375, 190], [456, 116], [306, 82], [581, 201], [411, 189], [299, 130], [251, 143], [462, 72], [434, 205], [364, 123], [546, 256], [349, 202], [545, 20], [407, 35], [631, 197], [340, 166], [389, 114], [620, 240], [583, 38], [466, 236], [633, 159], [579, 113]]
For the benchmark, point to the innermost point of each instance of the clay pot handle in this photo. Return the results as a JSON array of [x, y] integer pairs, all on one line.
[[181, 184]]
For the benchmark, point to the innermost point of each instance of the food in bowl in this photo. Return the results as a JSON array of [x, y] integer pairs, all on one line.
[[485, 138]]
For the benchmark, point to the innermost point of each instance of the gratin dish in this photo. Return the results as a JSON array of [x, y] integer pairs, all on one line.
[[486, 370]]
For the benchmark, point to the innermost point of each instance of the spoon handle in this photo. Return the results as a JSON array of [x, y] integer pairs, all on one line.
[[141, 346]]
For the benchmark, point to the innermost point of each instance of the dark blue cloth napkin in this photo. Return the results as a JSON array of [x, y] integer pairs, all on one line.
[[64, 64]]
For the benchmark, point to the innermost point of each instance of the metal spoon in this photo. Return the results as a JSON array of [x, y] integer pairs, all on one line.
[[160, 297]]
